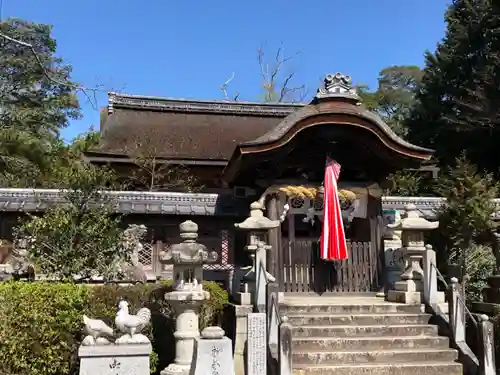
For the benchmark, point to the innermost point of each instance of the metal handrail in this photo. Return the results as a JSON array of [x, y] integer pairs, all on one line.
[[440, 275]]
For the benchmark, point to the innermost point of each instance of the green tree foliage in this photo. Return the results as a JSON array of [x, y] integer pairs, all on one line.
[[69, 167], [404, 184], [479, 264], [83, 236], [37, 100], [457, 102], [395, 95], [466, 222]]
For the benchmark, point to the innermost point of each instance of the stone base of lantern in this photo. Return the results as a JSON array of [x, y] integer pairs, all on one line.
[[242, 298], [410, 292]]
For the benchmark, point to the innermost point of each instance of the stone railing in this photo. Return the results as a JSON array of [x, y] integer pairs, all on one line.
[[481, 362], [417, 283], [279, 333]]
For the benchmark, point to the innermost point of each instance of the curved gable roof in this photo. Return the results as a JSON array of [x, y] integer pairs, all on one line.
[[322, 111], [336, 104]]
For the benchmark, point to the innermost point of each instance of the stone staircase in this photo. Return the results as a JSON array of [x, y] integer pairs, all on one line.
[[365, 335]]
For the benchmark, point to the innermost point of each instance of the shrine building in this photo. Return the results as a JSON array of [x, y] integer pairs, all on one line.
[[244, 152]]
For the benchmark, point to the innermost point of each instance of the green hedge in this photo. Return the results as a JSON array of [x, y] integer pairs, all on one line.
[[41, 323]]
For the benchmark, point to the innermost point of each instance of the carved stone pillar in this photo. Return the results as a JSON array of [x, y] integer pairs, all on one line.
[[410, 288]]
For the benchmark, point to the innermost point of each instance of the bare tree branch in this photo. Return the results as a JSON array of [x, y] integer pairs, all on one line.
[[89, 92], [223, 88], [156, 174], [274, 91]]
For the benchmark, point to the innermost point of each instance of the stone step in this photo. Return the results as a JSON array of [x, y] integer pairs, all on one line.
[[376, 356], [352, 309], [382, 369], [365, 331], [368, 343], [358, 319]]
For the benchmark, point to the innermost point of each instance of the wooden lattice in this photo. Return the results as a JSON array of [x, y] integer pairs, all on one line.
[[222, 244], [146, 255]]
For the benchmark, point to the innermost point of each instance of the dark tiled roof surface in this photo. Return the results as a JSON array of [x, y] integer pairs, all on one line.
[[184, 135]]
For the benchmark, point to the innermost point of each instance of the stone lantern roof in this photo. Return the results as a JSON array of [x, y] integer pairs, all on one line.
[[257, 220], [412, 221]]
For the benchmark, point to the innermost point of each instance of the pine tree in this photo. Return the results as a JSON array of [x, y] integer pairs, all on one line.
[[467, 220], [458, 97]]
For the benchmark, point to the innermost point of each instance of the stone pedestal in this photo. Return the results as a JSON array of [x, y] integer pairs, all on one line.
[[114, 359], [213, 353], [186, 332], [410, 288], [188, 295]]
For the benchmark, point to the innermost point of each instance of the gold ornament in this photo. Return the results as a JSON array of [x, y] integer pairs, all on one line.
[[300, 191]]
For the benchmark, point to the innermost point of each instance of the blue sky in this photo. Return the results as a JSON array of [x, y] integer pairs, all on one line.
[[189, 48]]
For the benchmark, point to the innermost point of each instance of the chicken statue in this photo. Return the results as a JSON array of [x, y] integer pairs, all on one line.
[[96, 331], [131, 325]]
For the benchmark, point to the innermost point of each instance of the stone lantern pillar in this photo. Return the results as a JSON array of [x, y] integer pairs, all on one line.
[[257, 226], [188, 295], [410, 288]]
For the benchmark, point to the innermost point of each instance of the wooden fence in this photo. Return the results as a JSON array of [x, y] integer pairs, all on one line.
[[304, 271]]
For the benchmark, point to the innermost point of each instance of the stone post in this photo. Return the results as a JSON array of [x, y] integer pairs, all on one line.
[[457, 311], [410, 289], [487, 365], [431, 294], [257, 226], [188, 295], [240, 336], [285, 347]]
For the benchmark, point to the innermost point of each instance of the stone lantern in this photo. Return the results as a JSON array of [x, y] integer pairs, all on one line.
[[258, 227], [410, 288], [188, 295]]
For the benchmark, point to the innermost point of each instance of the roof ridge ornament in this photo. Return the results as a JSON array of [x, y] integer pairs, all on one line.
[[338, 85]]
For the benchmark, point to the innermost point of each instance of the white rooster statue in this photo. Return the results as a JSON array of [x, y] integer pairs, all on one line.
[[96, 331], [131, 325]]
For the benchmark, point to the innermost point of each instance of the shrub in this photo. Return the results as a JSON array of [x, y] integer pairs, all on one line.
[[479, 264], [41, 323]]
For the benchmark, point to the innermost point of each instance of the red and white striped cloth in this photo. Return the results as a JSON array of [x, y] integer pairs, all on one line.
[[333, 243]]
